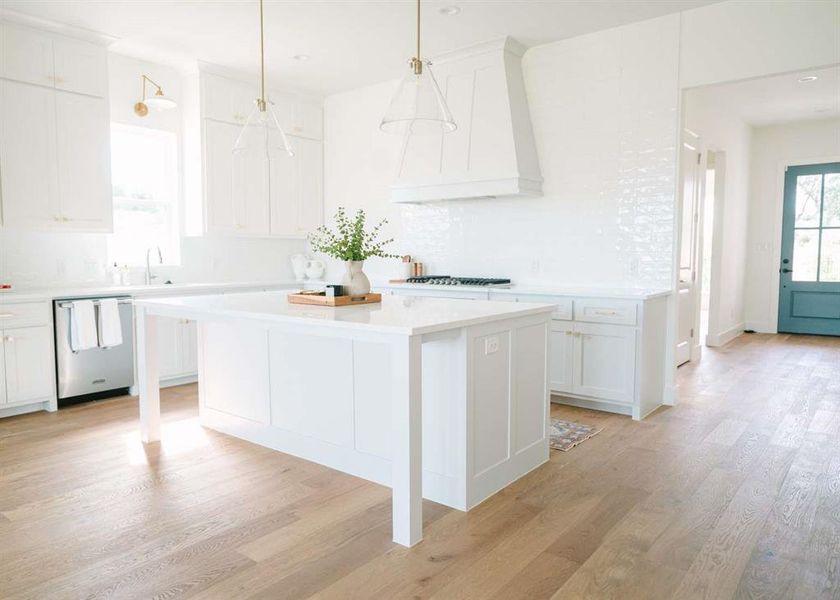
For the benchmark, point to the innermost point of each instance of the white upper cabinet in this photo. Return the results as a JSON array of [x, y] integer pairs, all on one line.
[[296, 188], [80, 67], [63, 63], [54, 133], [226, 99], [236, 188], [54, 159], [28, 159], [84, 161], [307, 120], [27, 56], [246, 196], [218, 142]]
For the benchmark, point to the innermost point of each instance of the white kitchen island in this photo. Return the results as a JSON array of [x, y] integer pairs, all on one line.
[[342, 387]]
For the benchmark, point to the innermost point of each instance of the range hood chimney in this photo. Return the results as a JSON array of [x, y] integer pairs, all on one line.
[[492, 153]]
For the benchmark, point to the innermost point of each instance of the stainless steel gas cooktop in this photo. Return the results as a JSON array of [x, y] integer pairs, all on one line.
[[468, 281]]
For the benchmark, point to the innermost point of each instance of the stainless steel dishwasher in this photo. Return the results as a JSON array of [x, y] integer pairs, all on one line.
[[96, 372]]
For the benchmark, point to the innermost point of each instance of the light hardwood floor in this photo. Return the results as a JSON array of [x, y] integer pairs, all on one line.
[[734, 493]]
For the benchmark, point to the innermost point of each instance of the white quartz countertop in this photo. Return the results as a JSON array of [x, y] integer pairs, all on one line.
[[548, 290], [395, 314], [138, 291]]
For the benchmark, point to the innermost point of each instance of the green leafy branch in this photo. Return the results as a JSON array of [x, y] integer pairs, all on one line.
[[349, 240]]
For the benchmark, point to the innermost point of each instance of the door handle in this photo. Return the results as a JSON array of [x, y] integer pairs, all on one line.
[[786, 270]]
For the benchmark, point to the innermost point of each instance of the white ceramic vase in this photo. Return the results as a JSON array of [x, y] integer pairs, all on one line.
[[355, 282]]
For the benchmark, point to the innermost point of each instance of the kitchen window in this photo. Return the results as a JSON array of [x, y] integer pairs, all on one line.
[[144, 174]]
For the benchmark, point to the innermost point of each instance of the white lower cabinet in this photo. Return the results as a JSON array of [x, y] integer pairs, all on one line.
[[604, 361], [561, 362], [3, 395], [606, 353], [589, 359], [27, 373], [177, 349]]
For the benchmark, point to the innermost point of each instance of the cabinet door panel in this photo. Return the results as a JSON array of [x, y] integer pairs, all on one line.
[[283, 106], [28, 155], [561, 364], [80, 67], [284, 192], [29, 363], [169, 358], [605, 361], [221, 213], [2, 370], [26, 56], [310, 177], [84, 163], [189, 347], [250, 194], [307, 120]]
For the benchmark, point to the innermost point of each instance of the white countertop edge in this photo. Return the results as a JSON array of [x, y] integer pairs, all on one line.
[[526, 290], [136, 291], [166, 309]]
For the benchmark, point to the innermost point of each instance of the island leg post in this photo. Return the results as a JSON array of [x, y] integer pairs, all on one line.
[[147, 375], [406, 441]]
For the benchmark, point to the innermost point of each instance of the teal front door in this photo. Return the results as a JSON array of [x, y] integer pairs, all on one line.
[[809, 287]]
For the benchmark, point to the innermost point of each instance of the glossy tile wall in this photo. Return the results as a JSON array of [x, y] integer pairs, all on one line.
[[604, 110]]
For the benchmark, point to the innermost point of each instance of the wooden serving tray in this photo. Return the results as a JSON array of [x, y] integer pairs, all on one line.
[[322, 300]]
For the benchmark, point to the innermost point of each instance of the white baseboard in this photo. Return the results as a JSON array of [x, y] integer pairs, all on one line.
[[21, 409], [670, 395], [761, 327], [724, 337]]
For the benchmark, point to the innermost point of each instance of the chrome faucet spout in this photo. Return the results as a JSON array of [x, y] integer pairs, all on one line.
[[149, 275]]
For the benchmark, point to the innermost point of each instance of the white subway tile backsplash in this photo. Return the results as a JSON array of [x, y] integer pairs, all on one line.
[[604, 112]]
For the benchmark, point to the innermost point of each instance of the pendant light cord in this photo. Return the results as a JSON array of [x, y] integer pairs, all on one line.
[[262, 59], [416, 63]]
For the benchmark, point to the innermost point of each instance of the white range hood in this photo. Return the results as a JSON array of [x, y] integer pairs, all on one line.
[[492, 153]]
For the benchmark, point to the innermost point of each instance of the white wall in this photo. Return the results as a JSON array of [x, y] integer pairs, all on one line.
[[742, 39], [31, 259], [604, 111], [720, 130], [773, 149]]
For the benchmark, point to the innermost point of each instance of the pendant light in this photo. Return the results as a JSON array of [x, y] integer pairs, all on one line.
[[262, 136], [157, 102], [418, 107]]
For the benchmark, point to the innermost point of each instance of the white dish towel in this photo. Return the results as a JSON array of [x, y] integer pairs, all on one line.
[[110, 328], [82, 325]]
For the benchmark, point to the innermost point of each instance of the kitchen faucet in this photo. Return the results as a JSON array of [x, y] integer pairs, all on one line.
[[149, 275]]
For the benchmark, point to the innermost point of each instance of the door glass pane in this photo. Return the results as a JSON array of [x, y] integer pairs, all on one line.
[[830, 258], [805, 254], [808, 200], [831, 200]]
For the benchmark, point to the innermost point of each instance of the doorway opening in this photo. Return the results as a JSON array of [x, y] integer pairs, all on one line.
[[712, 198]]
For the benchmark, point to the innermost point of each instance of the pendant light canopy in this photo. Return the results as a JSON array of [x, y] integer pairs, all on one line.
[[418, 107], [262, 136]]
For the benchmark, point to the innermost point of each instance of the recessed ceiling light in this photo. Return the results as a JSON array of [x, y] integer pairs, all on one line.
[[807, 78], [301, 57], [449, 10]]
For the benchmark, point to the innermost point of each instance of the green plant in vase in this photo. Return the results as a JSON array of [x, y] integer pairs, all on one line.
[[351, 243]]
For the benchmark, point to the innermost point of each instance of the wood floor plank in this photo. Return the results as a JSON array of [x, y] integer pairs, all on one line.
[[732, 493]]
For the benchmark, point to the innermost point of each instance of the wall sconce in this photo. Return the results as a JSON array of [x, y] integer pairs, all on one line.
[[158, 102]]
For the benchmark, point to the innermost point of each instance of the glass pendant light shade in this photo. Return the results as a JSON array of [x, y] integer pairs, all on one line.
[[418, 107], [262, 136]]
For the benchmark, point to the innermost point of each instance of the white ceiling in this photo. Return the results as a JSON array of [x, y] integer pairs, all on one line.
[[778, 99], [350, 43]]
